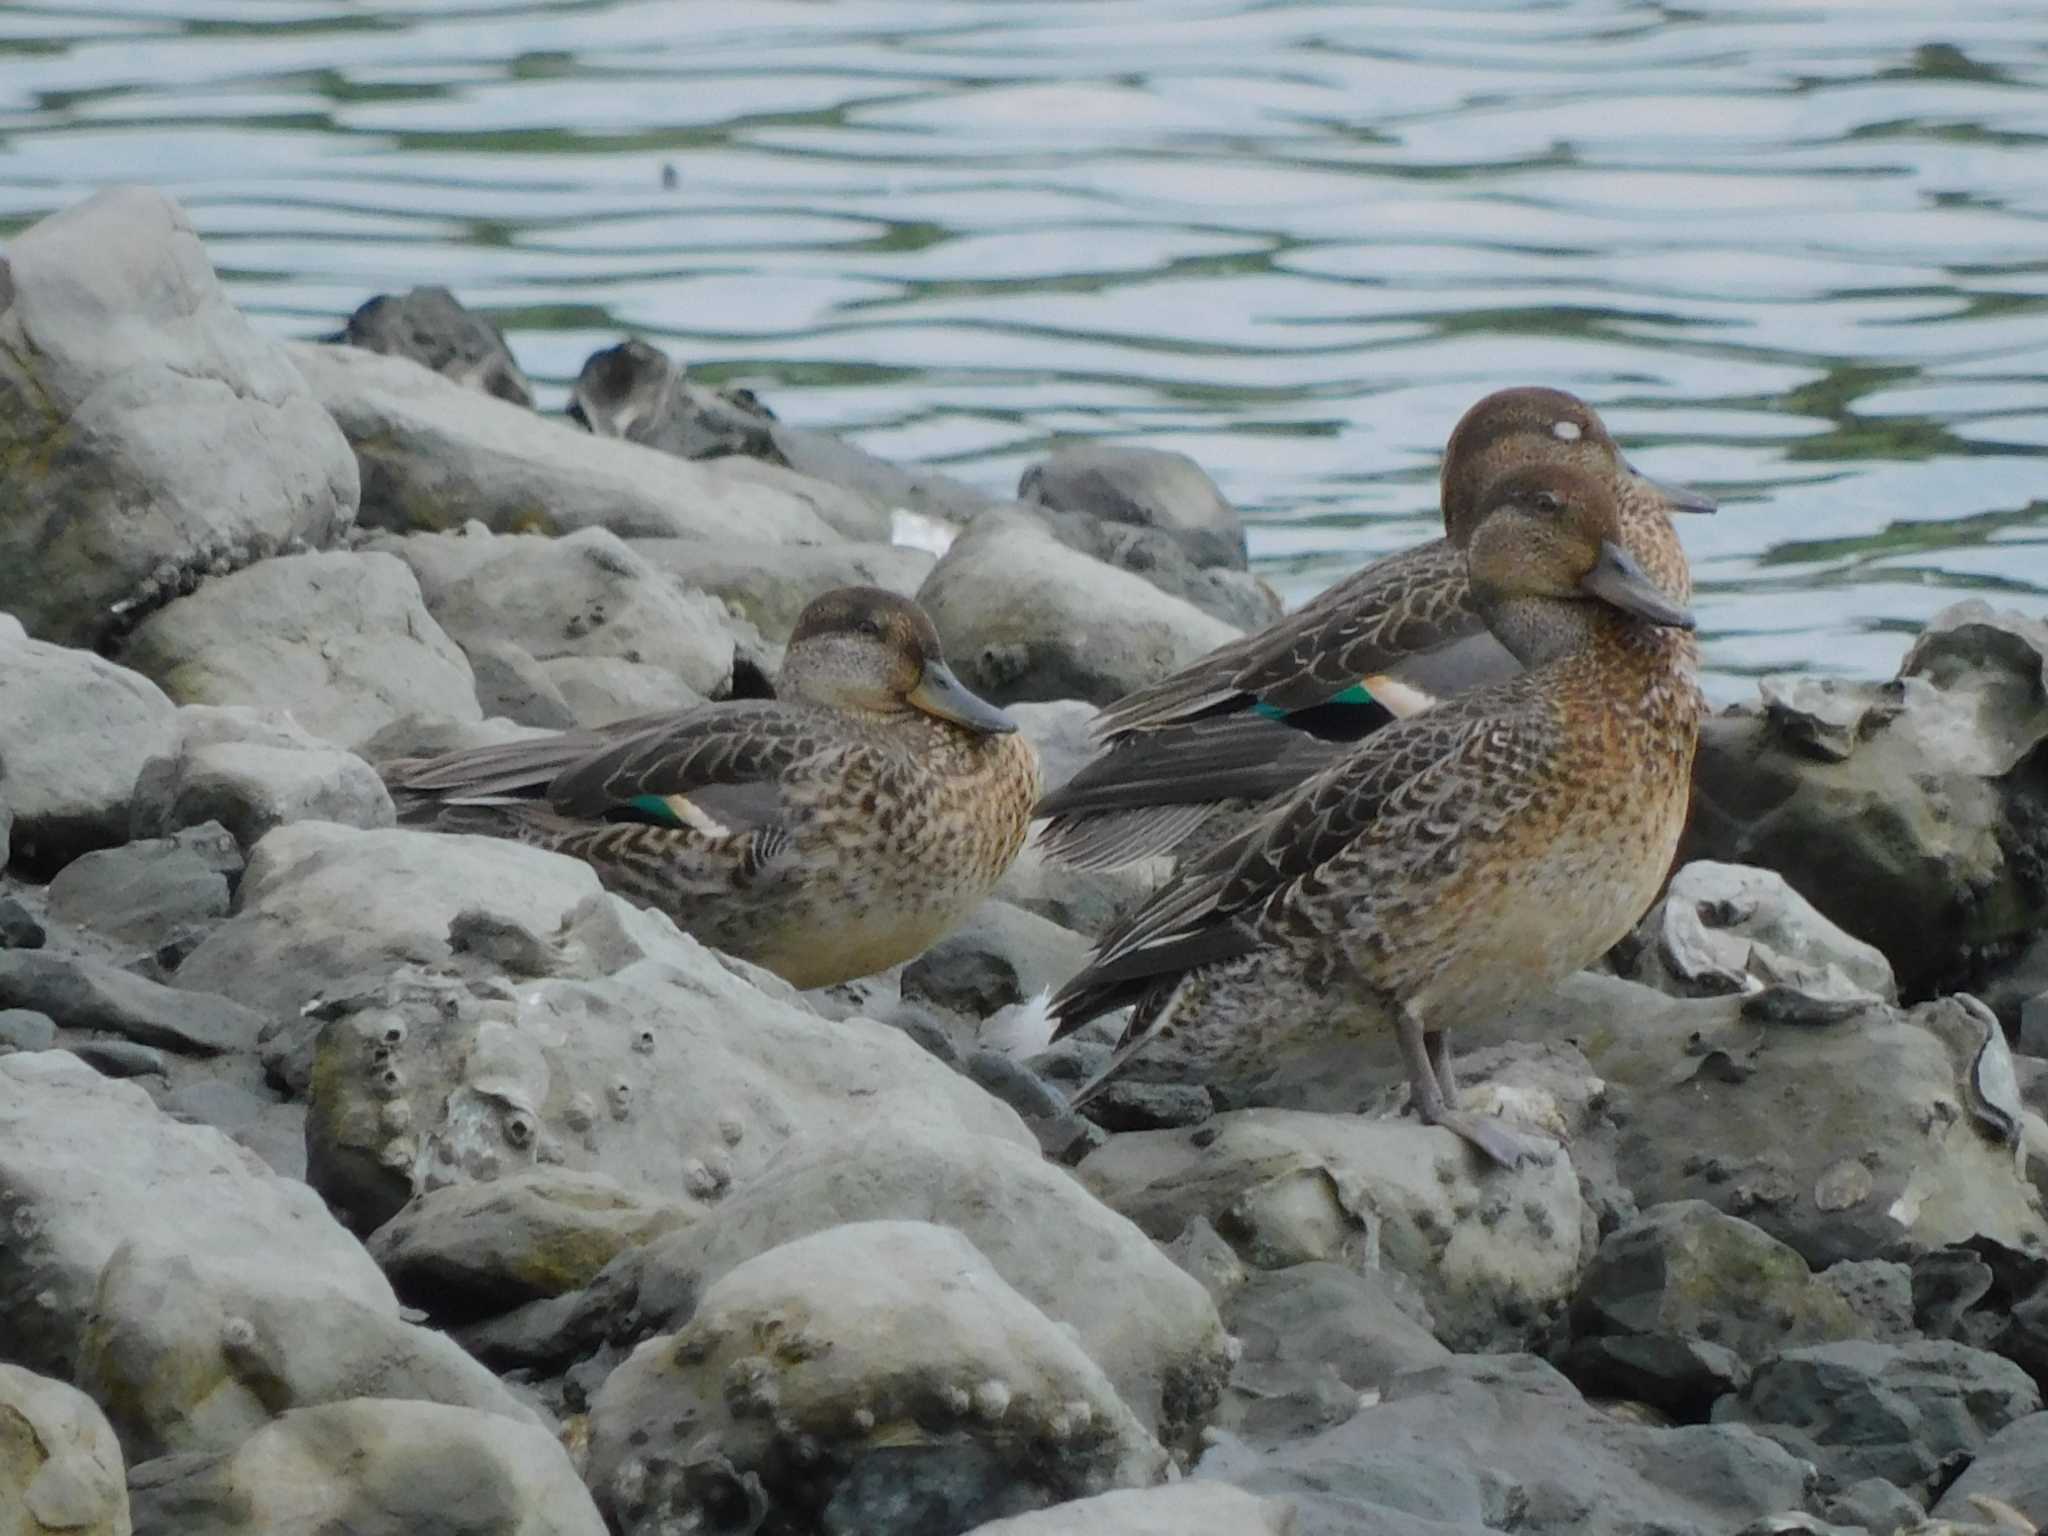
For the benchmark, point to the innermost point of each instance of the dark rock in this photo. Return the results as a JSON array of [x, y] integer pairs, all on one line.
[[76, 731], [472, 1249], [1314, 1337], [1024, 617], [1684, 1275], [1880, 1292], [156, 434], [91, 995], [1145, 487], [142, 893], [1134, 1106], [18, 926], [430, 327], [1016, 1085], [1910, 1414], [999, 956], [120, 1058], [1505, 1443], [1909, 830], [2033, 1039], [1875, 1505], [2012, 1467], [339, 640]]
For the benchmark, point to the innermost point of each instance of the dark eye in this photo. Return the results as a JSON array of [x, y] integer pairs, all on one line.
[[871, 628], [1547, 502]]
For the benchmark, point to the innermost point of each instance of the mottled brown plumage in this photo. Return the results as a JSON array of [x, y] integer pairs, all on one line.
[[1457, 861], [1261, 714], [825, 834]]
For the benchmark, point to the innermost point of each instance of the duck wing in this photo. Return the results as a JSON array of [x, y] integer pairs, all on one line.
[[1406, 604], [1149, 791], [1407, 791]]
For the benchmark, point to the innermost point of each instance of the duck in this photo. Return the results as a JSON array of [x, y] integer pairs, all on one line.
[[1455, 862], [825, 834], [1254, 718]]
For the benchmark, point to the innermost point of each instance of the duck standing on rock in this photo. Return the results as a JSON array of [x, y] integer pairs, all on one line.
[[1453, 863], [825, 834], [1255, 718]]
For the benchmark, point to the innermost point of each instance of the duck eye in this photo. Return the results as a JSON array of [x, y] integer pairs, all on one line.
[[871, 628], [1567, 431], [1547, 501]]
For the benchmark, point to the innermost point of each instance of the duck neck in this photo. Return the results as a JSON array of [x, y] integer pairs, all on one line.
[[1540, 630]]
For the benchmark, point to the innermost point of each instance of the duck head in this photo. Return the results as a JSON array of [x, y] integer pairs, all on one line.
[[874, 652], [1531, 427], [1547, 553]]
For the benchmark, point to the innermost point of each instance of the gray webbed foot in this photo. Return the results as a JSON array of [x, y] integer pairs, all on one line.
[[1509, 1149]]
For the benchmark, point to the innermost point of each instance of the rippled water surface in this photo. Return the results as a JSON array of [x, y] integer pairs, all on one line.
[[1796, 253]]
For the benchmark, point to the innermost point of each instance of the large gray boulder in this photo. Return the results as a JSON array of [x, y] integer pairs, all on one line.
[[1151, 1328], [1144, 487], [339, 641], [1491, 1443], [770, 584], [1893, 1140], [435, 455], [372, 1467], [152, 433], [1024, 617], [671, 1075], [60, 1466], [75, 732], [585, 595], [1293, 1187], [1178, 1509], [879, 1376], [89, 1164], [251, 770], [1895, 808], [325, 910]]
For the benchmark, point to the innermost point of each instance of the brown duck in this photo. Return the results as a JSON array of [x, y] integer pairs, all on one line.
[[1255, 718], [1452, 863], [825, 834]]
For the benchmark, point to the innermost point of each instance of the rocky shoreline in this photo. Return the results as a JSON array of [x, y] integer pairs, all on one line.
[[358, 1178]]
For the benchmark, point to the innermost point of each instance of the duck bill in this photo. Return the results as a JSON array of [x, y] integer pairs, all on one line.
[[1620, 581], [1676, 498], [943, 696]]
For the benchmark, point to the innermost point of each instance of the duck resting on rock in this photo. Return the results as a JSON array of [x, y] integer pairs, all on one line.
[[1256, 717], [825, 834], [1453, 863]]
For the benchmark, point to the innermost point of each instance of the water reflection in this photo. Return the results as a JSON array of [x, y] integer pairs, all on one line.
[[1796, 254]]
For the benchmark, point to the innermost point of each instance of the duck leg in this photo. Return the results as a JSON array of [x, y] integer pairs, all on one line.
[[1428, 1057]]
